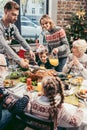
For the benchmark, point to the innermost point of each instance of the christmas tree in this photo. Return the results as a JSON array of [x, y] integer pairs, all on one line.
[[78, 26]]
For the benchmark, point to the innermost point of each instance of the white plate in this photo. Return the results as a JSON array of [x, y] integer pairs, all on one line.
[[69, 92], [80, 96]]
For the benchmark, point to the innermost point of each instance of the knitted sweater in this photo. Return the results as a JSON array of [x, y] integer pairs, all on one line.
[[6, 35], [56, 38], [16, 106], [81, 70], [41, 108]]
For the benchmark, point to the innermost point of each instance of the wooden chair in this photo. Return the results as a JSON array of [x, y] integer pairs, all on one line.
[[35, 122]]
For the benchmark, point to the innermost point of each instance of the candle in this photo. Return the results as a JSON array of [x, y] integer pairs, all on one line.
[[39, 87], [29, 81]]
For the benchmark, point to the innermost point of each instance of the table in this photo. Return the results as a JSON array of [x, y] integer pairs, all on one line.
[[71, 109]]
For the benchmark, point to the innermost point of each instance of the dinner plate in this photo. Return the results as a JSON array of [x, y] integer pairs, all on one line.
[[81, 96], [74, 81], [69, 92], [8, 83]]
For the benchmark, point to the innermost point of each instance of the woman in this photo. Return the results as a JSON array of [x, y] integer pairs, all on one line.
[[50, 104], [76, 63], [56, 39]]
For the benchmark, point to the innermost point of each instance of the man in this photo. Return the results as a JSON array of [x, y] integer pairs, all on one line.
[[9, 31], [10, 106]]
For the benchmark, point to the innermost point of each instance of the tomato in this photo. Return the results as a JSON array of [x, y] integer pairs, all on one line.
[[86, 91]]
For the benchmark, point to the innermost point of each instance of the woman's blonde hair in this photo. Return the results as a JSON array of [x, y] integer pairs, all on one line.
[[47, 18], [81, 44]]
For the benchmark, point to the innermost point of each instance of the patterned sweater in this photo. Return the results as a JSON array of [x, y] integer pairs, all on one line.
[[81, 70], [16, 106], [41, 107], [6, 35], [56, 38]]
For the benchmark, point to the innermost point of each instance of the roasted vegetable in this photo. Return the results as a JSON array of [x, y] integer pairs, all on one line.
[[14, 75], [23, 79]]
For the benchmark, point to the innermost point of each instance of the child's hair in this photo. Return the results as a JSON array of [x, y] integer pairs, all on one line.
[[41, 49], [52, 87], [47, 18]]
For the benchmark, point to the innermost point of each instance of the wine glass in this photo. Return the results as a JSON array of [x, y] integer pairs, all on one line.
[[53, 58]]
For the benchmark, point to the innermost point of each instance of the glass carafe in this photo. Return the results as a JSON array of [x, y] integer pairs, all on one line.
[[53, 58]]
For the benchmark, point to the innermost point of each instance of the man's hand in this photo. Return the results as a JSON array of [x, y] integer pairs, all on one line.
[[24, 63], [32, 54]]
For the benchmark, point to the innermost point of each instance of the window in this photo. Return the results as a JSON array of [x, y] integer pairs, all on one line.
[[41, 10], [33, 1], [33, 10]]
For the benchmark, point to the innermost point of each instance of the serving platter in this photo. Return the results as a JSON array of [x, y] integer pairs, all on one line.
[[8, 83]]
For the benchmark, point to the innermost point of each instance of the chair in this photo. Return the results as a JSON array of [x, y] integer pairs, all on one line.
[[35, 122]]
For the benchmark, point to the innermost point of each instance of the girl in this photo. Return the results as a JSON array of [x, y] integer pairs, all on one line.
[[50, 104]]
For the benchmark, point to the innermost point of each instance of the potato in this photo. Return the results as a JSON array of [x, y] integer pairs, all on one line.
[[82, 92]]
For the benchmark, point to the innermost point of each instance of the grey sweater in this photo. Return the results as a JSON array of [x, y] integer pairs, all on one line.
[[6, 35], [56, 38]]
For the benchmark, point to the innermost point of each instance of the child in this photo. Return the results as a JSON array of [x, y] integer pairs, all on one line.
[[50, 105], [43, 60]]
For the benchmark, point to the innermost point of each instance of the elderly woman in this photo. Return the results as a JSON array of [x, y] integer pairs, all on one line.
[[77, 61]]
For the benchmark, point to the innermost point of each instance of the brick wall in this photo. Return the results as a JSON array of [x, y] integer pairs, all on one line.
[[66, 8]]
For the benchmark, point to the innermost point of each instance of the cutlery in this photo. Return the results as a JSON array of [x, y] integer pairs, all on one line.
[[18, 86]]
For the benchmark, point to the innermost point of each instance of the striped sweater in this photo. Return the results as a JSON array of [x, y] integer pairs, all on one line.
[[56, 38]]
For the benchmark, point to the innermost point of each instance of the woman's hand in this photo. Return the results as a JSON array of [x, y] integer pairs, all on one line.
[[75, 61], [55, 51]]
